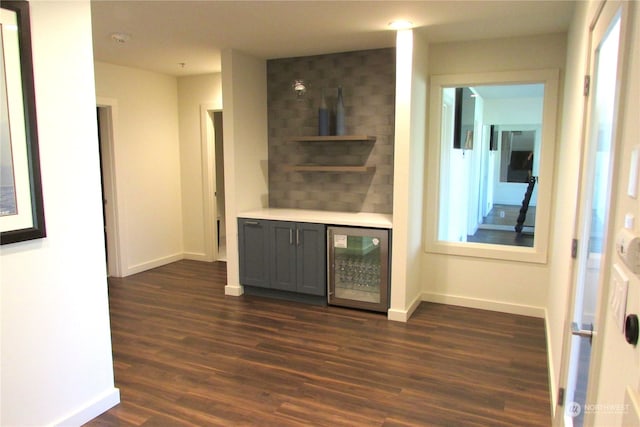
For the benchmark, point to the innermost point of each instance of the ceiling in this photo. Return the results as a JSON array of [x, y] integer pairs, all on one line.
[[186, 37]]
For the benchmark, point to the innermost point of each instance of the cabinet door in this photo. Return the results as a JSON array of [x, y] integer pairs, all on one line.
[[311, 259], [253, 251], [282, 235]]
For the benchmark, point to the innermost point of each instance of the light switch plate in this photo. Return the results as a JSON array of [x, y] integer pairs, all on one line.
[[618, 296]]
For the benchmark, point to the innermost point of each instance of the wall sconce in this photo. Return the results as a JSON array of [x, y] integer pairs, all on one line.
[[300, 88]]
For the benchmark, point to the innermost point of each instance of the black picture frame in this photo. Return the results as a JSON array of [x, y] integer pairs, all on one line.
[[36, 228], [493, 138], [463, 118], [457, 119]]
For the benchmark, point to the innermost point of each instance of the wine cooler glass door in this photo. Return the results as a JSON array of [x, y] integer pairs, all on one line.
[[358, 270]]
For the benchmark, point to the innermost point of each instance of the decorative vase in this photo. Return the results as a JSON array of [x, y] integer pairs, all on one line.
[[340, 113], [323, 117]]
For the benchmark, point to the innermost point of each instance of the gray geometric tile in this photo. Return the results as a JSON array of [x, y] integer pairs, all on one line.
[[368, 82]]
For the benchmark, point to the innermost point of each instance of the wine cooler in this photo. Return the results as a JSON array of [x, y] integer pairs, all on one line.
[[358, 267]]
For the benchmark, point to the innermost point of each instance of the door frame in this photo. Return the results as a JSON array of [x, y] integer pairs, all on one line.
[[606, 10], [114, 217], [209, 203]]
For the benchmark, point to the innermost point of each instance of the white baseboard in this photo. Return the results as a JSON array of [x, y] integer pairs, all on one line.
[[397, 315], [92, 409], [503, 307], [404, 315], [234, 291], [193, 256], [159, 262]]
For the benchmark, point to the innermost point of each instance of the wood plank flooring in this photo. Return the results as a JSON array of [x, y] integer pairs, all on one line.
[[187, 355]]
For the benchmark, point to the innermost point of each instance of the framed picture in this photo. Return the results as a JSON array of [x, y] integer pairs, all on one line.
[[21, 207], [493, 138]]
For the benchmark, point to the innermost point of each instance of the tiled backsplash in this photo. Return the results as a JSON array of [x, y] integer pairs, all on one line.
[[368, 82]]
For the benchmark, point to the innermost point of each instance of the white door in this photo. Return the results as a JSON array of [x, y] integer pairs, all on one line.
[[593, 216]]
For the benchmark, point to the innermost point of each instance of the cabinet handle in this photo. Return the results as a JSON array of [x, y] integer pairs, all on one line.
[[251, 222], [297, 237], [291, 236]]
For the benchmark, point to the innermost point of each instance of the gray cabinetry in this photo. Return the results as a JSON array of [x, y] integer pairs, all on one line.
[[311, 259], [253, 247], [298, 257], [282, 255], [293, 255]]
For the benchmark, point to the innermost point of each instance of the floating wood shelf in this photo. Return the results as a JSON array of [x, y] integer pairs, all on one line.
[[325, 168], [334, 138]]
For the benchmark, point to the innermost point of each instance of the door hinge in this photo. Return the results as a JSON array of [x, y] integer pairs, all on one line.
[[587, 85], [574, 248], [560, 401]]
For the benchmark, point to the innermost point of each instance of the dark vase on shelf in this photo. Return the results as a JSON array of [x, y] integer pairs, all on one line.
[[340, 113], [323, 117]]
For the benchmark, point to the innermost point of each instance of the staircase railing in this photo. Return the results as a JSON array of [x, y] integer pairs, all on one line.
[[522, 216]]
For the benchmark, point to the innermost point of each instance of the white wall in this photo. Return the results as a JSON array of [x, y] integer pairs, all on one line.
[[511, 54], [56, 363], [194, 92], [408, 183], [147, 164], [509, 286], [244, 92], [513, 111]]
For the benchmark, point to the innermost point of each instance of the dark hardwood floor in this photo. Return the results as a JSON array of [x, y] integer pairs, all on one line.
[[186, 354], [501, 237]]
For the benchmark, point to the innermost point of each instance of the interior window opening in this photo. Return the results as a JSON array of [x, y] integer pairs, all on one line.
[[490, 163]]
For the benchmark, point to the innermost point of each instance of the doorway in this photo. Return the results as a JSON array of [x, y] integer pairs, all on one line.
[[105, 119], [213, 184], [221, 224], [593, 217]]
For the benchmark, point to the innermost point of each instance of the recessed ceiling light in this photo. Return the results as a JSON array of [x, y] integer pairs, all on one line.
[[400, 24], [120, 37]]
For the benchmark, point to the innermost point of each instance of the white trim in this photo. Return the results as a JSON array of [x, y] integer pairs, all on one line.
[[484, 304], [537, 254], [404, 315], [234, 291], [148, 265], [101, 404], [194, 256], [207, 154], [553, 386], [397, 315], [115, 209]]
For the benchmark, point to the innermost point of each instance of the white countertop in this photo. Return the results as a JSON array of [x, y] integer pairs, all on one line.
[[355, 219]]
